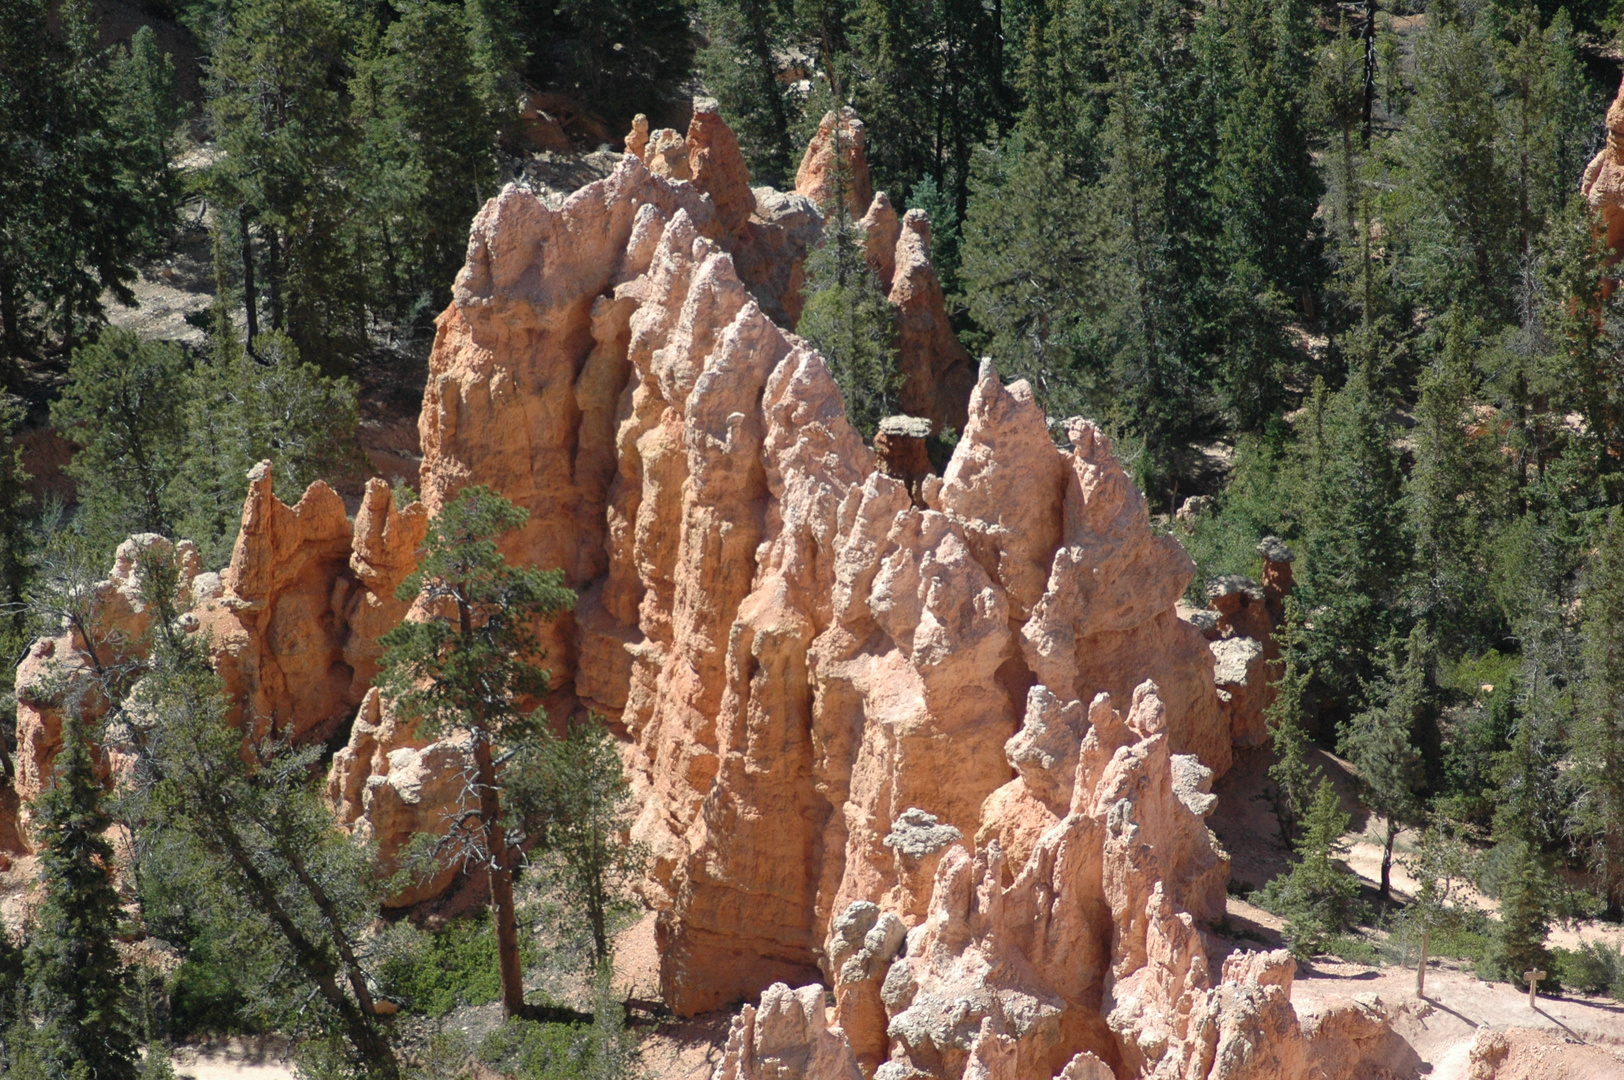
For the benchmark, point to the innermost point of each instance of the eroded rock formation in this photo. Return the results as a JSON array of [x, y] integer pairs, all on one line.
[[291, 625], [870, 709], [1603, 183], [1069, 943], [819, 667]]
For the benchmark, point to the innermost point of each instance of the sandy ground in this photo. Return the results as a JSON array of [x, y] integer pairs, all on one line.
[[237, 1059]]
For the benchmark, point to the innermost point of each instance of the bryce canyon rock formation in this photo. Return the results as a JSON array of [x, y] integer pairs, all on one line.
[[1603, 183], [941, 742]]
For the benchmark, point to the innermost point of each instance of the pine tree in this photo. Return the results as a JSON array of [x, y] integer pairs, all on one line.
[[929, 79], [1030, 271], [1518, 944], [251, 844], [1456, 208], [1356, 551], [1597, 733], [1320, 895], [1293, 778], [847, 318], [741, 68], [472, 666], [575, 786], [1439, 866], [1457, 495], [241, 410], [277, 108], [71, 223], [78, 989], [147, 114], [428, 152], [1382, 743], [15, 543], [1265, 193], [124, 407]]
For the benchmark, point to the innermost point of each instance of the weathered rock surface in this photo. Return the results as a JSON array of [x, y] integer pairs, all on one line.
[[1603, 183], [1083, 957], [819, 667], [291, 624]]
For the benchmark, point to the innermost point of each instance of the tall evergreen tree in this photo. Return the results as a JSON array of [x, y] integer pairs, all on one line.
[[147, 113], [250, 833], [71, 224], [1356, 554], [472, 665], [277, 108], [1597, 735], [124, 406], [1456, 210], [428, 149], [1457, 495], [742, 68], [848, 318], [78, 989], [1384, 743]]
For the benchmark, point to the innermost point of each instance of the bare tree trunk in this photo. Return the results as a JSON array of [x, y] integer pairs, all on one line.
[[1421, 970], [250, 301], [1387, 859], [499, 859]]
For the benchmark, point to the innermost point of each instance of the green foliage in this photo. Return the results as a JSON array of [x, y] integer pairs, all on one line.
[[243, 409], [472, 665], [1597, 730], [1355, 545], [848, 319], [16, 545], [1320, 896], [147, 113], [1383, 742], [78, 992], [277, 109], [1595, 967], [79, 199], [1518, 944], [123, 405], [576, 787], [1294, 780], [602, 1050], [741, 68], [433, 973], [427, 142], [243, 834]]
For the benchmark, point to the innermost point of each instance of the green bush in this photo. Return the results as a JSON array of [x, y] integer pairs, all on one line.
[[532, 1051], [433, 973], [1593, 968], [207, 998]]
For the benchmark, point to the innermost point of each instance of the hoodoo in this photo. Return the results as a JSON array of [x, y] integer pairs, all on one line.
[[942, 743]]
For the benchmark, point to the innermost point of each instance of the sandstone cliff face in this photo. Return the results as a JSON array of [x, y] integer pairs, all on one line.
[[291, 624], [870, 709], [1603, 183], [1077, 954], [819, 670]]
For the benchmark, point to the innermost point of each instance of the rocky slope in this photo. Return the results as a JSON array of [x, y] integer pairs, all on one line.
[[941, 742]]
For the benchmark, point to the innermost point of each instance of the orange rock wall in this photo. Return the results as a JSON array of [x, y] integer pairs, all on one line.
[[819, 675]]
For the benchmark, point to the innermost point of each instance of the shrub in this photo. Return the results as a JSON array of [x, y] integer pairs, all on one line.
[[1593, 968], [433, 973]]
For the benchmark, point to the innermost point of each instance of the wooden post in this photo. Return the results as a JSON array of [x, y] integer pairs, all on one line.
[[1421, 971], [1533, 977]]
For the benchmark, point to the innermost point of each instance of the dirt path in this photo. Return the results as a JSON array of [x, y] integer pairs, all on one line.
[[236, 1060]]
